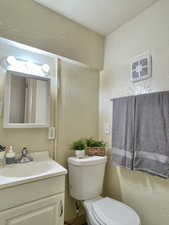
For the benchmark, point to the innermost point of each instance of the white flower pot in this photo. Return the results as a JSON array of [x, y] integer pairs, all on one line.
[[80, 153], [2, 155]]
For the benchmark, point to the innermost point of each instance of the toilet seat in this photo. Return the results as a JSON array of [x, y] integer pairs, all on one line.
[[107, 211], [91, 220]]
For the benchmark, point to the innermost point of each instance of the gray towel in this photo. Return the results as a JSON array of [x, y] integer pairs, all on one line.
[[123, 131], [151, 139]]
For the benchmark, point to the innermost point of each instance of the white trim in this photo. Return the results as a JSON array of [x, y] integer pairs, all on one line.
[[26, 125], [6, 123], [27, 75]]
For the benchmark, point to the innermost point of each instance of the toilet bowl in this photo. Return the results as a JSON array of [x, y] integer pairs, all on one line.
[[107, 211], [86, 178]]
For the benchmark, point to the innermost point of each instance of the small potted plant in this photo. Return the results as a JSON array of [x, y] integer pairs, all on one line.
[[79, 148], [2, 152], [95, 147]]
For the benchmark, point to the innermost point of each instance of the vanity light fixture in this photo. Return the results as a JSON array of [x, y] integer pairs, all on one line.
[[27, 67]]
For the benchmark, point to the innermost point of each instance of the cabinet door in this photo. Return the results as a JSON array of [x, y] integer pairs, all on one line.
[[48, 211]]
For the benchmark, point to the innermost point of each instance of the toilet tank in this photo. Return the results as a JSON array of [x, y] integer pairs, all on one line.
[[86, 177]]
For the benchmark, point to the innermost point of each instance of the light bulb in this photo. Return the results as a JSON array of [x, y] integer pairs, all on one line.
[[29, 63], [46, 68], [11, 60]]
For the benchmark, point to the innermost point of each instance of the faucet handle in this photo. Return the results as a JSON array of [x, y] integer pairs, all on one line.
[[24, 151], [25, 156]]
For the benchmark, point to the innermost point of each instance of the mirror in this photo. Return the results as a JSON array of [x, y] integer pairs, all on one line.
[[27, 101]]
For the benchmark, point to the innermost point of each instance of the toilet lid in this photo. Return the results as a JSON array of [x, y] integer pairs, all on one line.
[[108, 211]]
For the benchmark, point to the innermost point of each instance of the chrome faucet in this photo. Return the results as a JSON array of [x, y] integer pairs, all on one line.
[[24, 156]]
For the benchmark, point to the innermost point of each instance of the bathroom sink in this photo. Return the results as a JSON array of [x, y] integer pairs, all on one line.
[[27, 169], [42, 167]]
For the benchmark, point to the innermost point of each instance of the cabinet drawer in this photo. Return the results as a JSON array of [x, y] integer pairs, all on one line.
[[20, 194]]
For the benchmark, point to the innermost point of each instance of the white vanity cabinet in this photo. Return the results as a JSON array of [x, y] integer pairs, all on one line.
[[35, 203], [48, 211]]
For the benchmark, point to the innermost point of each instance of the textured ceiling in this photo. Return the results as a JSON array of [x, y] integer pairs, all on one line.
[[101, 16]]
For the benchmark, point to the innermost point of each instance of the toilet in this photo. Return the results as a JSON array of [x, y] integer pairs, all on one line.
[[86, 178]]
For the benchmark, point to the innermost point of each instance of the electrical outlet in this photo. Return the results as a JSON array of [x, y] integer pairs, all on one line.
[[51, 133], [1, 108]]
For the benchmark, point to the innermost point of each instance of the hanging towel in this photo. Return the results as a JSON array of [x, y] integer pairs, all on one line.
[[151, 139], [123, 131]]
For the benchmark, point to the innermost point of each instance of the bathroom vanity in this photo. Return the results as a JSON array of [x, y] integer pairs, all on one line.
[[32, 193]]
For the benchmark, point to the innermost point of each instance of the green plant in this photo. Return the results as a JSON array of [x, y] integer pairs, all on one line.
[[78, 145], [2, 148], [90, 142]]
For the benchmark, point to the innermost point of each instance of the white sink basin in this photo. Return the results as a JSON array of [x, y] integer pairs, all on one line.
[[27, 169], [26, 172]]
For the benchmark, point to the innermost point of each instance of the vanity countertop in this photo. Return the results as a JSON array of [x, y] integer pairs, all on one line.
[[41, 168]]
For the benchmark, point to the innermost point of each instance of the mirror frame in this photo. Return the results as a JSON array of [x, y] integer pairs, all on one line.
[[6, 115]]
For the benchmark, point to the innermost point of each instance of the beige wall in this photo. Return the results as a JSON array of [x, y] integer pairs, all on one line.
[[78, 112], [148, 31], [28, 22]]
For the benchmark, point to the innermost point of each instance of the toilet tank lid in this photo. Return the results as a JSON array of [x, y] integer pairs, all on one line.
[[90, 160]]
